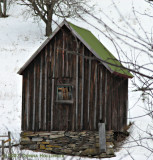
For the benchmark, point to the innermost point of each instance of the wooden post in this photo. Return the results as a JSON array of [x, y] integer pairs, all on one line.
[[2, 149], [9, 137], [102, 137]]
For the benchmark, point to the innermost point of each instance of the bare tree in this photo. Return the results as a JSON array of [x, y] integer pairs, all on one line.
[[45, 9], [140, 44]]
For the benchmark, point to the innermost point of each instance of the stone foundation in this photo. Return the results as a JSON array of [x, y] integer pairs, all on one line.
[[85, 143]]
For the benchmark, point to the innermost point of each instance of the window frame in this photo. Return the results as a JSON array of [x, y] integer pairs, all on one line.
[[64, 101]]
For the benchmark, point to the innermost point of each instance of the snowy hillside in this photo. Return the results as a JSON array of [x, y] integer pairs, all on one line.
[[21, 36]]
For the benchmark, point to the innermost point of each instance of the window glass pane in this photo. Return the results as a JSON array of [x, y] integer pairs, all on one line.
[[64, 92]]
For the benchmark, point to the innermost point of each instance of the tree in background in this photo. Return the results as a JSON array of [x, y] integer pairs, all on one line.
[[3, 8], [45, 9]]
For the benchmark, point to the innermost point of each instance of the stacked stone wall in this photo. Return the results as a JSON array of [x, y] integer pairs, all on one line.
[[85, 143]]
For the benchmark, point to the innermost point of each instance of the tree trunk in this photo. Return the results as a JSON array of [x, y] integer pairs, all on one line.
[[49, 19], [4, 7], [1, 14], [49, 27]]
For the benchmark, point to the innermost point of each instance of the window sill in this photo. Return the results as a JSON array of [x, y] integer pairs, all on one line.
[[64, 101]]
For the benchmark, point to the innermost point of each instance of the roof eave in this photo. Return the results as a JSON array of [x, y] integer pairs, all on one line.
[[123, 75]]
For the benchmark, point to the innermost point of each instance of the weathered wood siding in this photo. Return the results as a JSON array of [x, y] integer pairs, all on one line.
[[98, 95]]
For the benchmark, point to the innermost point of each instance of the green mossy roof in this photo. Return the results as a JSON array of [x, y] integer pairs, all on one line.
[[100, 50]]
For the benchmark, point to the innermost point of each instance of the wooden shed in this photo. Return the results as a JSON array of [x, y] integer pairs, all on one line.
[[72, 82]]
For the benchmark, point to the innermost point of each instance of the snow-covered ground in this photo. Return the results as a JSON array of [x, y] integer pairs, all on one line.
[[21, 35]]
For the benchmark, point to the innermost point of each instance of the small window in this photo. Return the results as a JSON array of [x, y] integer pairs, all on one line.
[[64, 94]]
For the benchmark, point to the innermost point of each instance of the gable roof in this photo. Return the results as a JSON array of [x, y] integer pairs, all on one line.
[[93, 44]]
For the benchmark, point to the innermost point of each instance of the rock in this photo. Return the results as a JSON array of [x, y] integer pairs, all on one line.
[[27, 139], [67, 134], [43, 134], [74, 137], [56, 136], [26, 133], [50, 146], [61, 132], [42, 146], [49, 149], [44, 142], [102, 155], [54, 132], [27, 142], [33, 147], [110, 132], [67, 151], [82, 133], [97, 145], [47, 140], [24, 147], [110, 151], [72, 133], [109, 144], [90, 151], [37, 139], [71, 145]]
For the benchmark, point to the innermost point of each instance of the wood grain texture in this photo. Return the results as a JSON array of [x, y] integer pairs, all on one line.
[[98, 95]]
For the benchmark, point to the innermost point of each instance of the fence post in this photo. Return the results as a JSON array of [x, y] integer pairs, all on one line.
[[102, 137], [2, 149], [9, 137]]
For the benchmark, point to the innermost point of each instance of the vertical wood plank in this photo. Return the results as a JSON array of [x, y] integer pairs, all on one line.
[[89, 79], [67, 64], [9, 137], [48, 109], [53, 86], [23, 102], [77, 87], [63, 59], [82, 96], [45, 98], [43, 90], [126, 101], [100, 90], [31, 96], [40, 92], [105, 110], [34, 97], [95, 105], [27, 102], [37, 94]]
